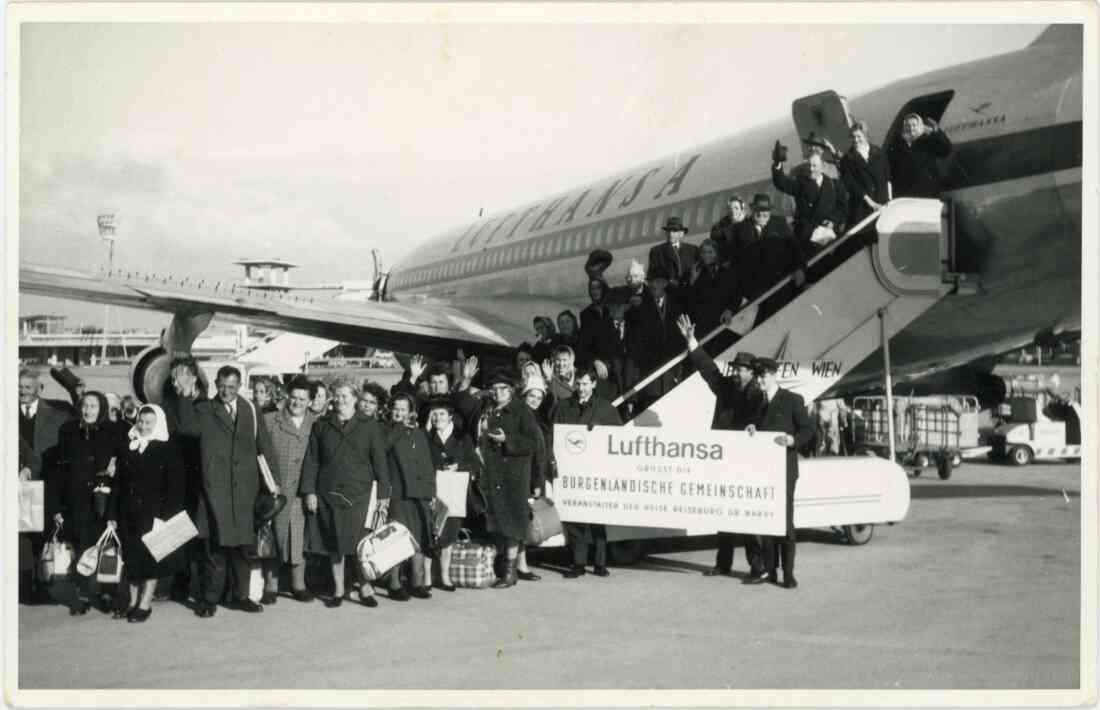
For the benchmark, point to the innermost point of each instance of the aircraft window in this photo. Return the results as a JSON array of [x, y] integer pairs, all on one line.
[[559, 244], [701, 212], [658, 222], [587, 238]]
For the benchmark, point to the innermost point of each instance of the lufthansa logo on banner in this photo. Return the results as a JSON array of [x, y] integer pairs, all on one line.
[[576, 442]]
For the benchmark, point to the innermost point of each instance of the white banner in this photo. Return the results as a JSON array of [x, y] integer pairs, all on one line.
[[702, 482]]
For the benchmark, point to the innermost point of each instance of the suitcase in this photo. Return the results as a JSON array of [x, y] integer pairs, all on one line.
[[472, 562], [545, 522], [384, 549]]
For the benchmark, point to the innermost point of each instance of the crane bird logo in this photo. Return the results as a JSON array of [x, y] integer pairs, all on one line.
[[576, 442]]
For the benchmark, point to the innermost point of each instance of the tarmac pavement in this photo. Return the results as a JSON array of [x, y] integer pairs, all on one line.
[[978, 588]]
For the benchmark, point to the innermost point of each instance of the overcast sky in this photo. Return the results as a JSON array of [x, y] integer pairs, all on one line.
[[318, 142]]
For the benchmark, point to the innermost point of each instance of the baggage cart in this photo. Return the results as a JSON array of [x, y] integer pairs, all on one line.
[[928, 431]]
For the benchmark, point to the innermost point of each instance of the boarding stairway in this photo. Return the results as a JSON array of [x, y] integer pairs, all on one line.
[[861, 290]]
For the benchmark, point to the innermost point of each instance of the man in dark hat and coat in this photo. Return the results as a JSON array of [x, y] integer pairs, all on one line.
[[652, 337], [783, 411], [724, 231], [738, 403], [674, 256]]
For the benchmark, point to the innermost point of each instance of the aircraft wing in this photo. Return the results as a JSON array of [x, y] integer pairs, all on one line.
[[428, 329]]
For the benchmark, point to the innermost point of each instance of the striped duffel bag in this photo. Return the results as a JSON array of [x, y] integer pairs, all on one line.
[[472, 562]]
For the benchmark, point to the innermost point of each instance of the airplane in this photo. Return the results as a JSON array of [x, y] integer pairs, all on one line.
[[1014, 183], [1002, 270]]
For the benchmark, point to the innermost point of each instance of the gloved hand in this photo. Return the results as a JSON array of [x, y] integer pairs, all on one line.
[[779, 153]]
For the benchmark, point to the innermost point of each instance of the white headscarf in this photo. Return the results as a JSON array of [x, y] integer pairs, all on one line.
[[160, 430]]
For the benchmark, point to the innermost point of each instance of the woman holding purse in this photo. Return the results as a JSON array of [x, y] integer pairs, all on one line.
[[88, 448], [149, 490]]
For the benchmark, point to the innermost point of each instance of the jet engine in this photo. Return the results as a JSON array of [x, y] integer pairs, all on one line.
[[151, 368]]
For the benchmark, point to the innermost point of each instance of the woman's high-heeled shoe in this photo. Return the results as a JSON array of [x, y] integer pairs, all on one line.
[[138, 615], [80, 608]]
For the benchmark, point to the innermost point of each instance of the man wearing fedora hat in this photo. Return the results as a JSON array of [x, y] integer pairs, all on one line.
[[783, 411], [674, 256], [738, 403], [652, 337], [766, 252]]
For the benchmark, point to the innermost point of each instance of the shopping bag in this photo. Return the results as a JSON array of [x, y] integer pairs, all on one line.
[[56, 559], [109, 570], [545, 522], [255, 581], [88, 564], [384, 549], [450, 487], [32, 506], [472, 562], [165, 539]]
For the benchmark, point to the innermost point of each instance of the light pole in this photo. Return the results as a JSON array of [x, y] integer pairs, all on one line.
[[106, 225]]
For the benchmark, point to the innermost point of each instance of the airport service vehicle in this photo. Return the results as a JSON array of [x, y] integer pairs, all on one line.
[[992, 267], [1041, 428], [930, 430]]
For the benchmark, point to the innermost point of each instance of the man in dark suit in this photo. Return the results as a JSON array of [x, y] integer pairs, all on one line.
[[783, 411], [724, 230], [674, 256], [39, 424], [652, 337], [738, 403], [820, 202]]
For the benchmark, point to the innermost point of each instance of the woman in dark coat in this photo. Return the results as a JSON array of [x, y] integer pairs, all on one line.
[[88, 449], [345, 457], [412, 485], [507, 441], [588, 408], [535, 396], [599, 339], [711, 290], [150, 487], [452, 451], [865, 172]]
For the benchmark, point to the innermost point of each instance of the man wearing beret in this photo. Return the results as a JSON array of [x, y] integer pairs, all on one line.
[[783, 411], [738, 404]]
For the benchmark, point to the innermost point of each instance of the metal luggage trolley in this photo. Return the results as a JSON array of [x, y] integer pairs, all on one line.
[[928, 431]]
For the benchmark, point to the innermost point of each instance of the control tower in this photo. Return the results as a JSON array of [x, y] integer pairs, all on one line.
[[268, 274]]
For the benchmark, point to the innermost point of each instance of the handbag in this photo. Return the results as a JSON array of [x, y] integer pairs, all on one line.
[[88, 564], [545, 521], [109, 570], [268, 503], [439, 516], [56, 559], [383, 549], [32, 506], [265, 542], [472, 562]]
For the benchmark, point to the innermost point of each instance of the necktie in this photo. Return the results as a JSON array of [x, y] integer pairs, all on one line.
[[27, 411], [231, 410]]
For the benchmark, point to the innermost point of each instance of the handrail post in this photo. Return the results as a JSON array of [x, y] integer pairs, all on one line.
[[889, 382]]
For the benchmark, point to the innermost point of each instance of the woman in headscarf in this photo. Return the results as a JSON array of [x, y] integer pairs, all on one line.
[[412, 485], [88, 449], [149, 490], [711, 289], [536, 397], [569, 329], [452, 450]]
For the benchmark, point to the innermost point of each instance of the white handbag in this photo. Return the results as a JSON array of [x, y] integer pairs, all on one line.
[[56, 559], [109, 570], [32, 506], [384, 549], [88, 564]]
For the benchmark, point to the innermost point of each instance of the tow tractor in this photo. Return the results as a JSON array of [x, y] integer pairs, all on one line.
[[938, 430], [1042, 427]]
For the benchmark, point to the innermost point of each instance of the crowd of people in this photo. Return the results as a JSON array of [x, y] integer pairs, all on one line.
[[112, 462]]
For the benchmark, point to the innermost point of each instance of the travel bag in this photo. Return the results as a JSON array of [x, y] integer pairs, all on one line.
[[545, 522], [383, 549], [472, 562]]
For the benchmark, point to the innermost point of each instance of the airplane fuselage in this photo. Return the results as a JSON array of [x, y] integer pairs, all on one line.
[[1014, 179]]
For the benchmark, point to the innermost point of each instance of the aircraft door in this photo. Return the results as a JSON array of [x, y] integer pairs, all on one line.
[[823, 115]]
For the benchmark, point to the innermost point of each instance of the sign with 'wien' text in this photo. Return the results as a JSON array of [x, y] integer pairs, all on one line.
[[702, 482]]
